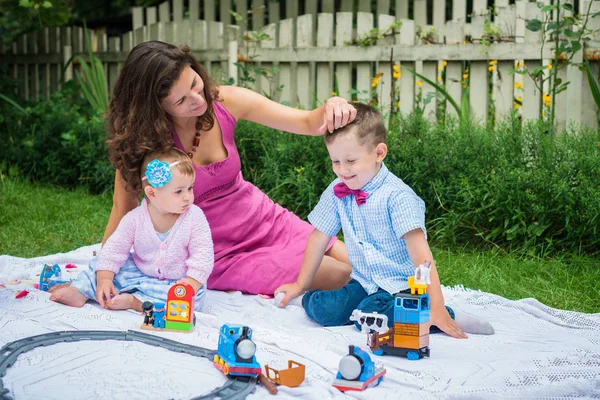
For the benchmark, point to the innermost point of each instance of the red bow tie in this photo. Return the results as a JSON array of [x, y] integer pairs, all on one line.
[[341, 190]]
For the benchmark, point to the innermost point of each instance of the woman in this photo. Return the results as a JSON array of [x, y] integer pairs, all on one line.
[[163, 97]]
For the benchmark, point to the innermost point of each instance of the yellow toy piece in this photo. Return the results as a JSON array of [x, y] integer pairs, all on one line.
[[416, 288]]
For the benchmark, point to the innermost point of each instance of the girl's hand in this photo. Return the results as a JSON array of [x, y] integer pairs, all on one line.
[[105, 290], [439, 317], [291, 290], [195, 284], [338, 113]]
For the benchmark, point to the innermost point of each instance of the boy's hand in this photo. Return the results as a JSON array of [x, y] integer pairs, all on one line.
[[104, 289], [439, 317], [291, 290], [195, 284]]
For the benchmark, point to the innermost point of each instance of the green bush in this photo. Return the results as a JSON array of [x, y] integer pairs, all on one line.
[[514, 187], [58, 141]]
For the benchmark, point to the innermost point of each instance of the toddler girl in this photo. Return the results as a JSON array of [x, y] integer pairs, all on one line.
[[171, 243]]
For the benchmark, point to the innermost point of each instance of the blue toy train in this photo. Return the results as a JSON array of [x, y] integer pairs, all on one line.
[[235, 353], [357, 371]]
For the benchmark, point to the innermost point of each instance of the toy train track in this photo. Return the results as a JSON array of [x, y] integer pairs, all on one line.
[[233, 389]]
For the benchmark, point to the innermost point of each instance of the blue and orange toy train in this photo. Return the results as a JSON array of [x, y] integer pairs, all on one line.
[[357, 371], [409, 335], [235, 353]]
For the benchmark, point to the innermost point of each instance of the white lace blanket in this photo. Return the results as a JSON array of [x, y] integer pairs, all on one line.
[[536, 352]]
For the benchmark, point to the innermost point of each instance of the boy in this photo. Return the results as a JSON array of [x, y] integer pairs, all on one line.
[[383, 221]]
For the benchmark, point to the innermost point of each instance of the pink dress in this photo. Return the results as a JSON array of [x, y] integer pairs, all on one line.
[[259, 245]]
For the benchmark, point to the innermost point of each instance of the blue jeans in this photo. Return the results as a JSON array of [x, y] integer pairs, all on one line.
[[334, 307]]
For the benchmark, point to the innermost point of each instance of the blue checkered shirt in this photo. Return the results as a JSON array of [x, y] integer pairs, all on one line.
[[374, 231]]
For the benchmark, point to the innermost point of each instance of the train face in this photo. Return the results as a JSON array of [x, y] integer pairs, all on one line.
[[357, 371], [236, 352]]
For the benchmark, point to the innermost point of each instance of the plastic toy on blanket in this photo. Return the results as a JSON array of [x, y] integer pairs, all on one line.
[[409, 335], [51, 276], [357, 371], [177, 316]]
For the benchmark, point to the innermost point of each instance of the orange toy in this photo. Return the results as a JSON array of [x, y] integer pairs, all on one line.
[[291, 377]]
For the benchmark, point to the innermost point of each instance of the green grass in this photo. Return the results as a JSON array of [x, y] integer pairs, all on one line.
[[38, 220]]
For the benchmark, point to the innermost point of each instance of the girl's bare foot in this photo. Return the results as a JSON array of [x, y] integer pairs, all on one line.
[[56, 287], [68, 296], [124, 301]]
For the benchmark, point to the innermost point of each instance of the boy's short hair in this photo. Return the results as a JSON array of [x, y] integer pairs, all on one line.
[[170, 155], [368, 126]]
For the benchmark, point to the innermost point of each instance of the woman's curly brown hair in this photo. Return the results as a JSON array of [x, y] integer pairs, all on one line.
[[137, 123]]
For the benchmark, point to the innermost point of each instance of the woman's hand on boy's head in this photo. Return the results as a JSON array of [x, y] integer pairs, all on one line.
[[338, 112], [439, 317]]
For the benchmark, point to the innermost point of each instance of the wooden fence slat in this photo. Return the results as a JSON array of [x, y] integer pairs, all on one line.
[[241, 7], [532, 98], [328, 6], [269, 84], [225, 6], [34, 70], [407, 80], [454, 78], [66, 39], [420, 12], [343, 71], [273, 12], [151, 15], [304, 71], [199, 35], [439, 15], [114, 45], [286, 37], [347, 6], [383, 7], [210, 12], [454, 32], [23, 71], [194, 10], [291, 8], [44, 48], [215, 31], [258, 14], [178, 10], [157, 32], [385, 94], [55, 68], [429, 71], [478, 90], [459, 10], [364, 6], [565, 112], [364, 23], [139, 35], [164, 12], [503, 89], [137, 17], [324, 69], [574, 90], [401, 9]]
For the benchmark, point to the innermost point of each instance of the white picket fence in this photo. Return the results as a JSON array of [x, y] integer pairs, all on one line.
[[314, 60]]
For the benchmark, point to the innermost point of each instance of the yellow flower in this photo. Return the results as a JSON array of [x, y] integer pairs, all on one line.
[[375, 82], [398, 105], [440, 68], [439, 78], [444, 63], [518, 85], [419, 83], [547, 99], [520, 99], [549, 66], [491, 68], [397, 74], [521, 64], [465, 76], [334, 93], [493, 62], [517, 105], [396, 67]]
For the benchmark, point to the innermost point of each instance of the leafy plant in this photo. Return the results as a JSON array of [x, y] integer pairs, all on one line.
[[568, 34], [93, 78], [370, 38]]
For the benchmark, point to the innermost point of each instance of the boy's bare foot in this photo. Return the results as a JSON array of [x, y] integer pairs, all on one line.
[[124, 301], [68, 296]]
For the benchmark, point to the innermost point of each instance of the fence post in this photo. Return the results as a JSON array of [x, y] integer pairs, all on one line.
[[67, 53]]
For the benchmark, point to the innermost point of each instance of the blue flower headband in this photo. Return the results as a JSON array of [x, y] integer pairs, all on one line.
[[158, 173]]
